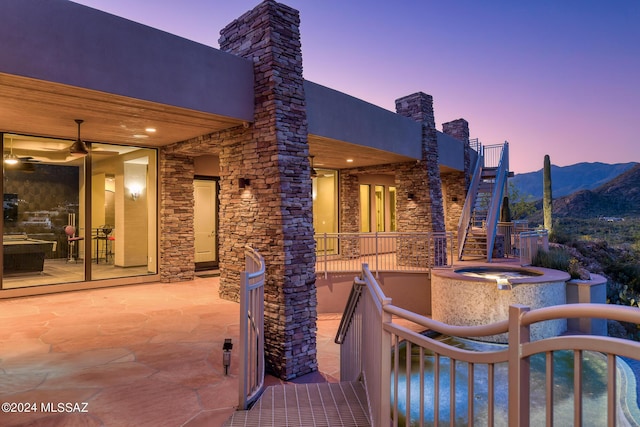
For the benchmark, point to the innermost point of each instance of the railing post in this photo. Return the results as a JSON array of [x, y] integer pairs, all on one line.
[[519, 379], [377, 256], [385, 365], [242, 374]]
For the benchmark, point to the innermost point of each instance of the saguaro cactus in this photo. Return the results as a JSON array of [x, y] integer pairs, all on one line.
[[547, 200]]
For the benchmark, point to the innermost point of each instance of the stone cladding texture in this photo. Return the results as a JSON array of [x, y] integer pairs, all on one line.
[[176, 217], [456, 190], [425, 211], [274, 212], [459, 129], [422, 178], [456, 183]]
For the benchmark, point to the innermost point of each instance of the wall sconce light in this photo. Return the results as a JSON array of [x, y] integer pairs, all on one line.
[[243, 182], [135, 190], [410, 196], [314, 173], [226, 354]]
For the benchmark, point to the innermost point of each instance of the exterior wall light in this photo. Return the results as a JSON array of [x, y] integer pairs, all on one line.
[[243, 182], [411, 196], [226, 355]]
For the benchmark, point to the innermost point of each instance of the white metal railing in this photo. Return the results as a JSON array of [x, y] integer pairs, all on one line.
[[492, 155], [465, 217], [530, 242], [496, 197], [251, 375], [383, 251], [475, 145], [373, 353]]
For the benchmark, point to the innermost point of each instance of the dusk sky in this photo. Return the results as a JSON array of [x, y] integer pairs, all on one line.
[[557, 77]]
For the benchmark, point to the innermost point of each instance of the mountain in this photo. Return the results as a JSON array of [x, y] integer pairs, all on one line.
[[566, 180], [620, 197]]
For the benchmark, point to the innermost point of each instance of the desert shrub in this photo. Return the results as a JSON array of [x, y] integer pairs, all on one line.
[[554, 258], [626, 273]]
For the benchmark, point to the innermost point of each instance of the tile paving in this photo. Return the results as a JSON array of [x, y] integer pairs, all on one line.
[[139, 355]]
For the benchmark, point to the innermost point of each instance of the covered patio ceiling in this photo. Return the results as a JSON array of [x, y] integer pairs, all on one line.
[[37, 108]]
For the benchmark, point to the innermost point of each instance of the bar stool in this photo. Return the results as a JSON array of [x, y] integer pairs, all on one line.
[[103, 235], [72, 241]]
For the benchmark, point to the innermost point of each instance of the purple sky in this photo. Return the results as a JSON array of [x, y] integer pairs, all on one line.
[[551, 77]]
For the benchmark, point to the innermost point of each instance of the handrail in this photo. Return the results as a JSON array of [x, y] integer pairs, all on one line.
[[465, 217], [411, 252], [496, 200], [349, 310], [252, 364], [381, 329]]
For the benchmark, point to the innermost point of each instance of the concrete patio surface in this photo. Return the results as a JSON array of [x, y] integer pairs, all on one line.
[[139, 355]]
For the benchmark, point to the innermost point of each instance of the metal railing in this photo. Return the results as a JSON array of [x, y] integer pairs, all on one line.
[[465, 217], [372, 353], [251, 375], [498, 192], [383, 251], [493, 155], [530, 242]]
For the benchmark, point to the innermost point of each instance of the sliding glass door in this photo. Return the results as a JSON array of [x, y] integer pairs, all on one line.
[[70, 218]]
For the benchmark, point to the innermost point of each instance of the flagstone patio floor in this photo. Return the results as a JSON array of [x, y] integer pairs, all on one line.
[[139, 355]]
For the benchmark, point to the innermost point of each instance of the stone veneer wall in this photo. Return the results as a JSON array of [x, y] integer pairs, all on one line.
[[274, 213], [176, 217], [459, 129], [456, 183], [455, 193], [425, 212], [349, 211]]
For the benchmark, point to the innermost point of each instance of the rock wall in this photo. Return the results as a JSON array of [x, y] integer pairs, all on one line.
[[273, 213]]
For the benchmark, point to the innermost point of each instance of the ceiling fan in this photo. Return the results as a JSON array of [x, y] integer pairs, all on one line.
[[20, 163], [79, 148]]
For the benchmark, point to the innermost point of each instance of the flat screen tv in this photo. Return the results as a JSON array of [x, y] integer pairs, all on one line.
[[10, 208]]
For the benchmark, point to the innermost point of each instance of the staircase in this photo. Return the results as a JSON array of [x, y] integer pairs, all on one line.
[[475, 246], [478, 223], [320, 404]]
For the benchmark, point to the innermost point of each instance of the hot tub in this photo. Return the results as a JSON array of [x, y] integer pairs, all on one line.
[[482, 294]]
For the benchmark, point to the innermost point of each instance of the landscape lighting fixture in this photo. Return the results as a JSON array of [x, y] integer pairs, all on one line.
[[227, 346], [79, 148]]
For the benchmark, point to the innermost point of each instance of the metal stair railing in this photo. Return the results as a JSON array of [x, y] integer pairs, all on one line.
[[467, 211], [496, 200]]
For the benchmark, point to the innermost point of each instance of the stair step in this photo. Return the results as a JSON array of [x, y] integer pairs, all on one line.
[[321, 404]]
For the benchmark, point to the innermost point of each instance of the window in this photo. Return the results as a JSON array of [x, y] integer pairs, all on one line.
[[365, 208], [325, 207], [393, 224], [48, 235], [380, 208]]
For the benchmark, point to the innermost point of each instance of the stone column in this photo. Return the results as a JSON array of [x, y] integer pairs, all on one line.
[[349, 213], [456, 183], [273, 213], [459, 129], [421, 180], [176, 218]]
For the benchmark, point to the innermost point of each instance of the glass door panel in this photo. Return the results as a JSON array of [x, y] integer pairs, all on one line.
[[44, 240], [123, 211]]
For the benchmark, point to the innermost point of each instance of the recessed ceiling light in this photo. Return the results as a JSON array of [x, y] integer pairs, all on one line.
[[150, 130], [140, 136], [349, 160]]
